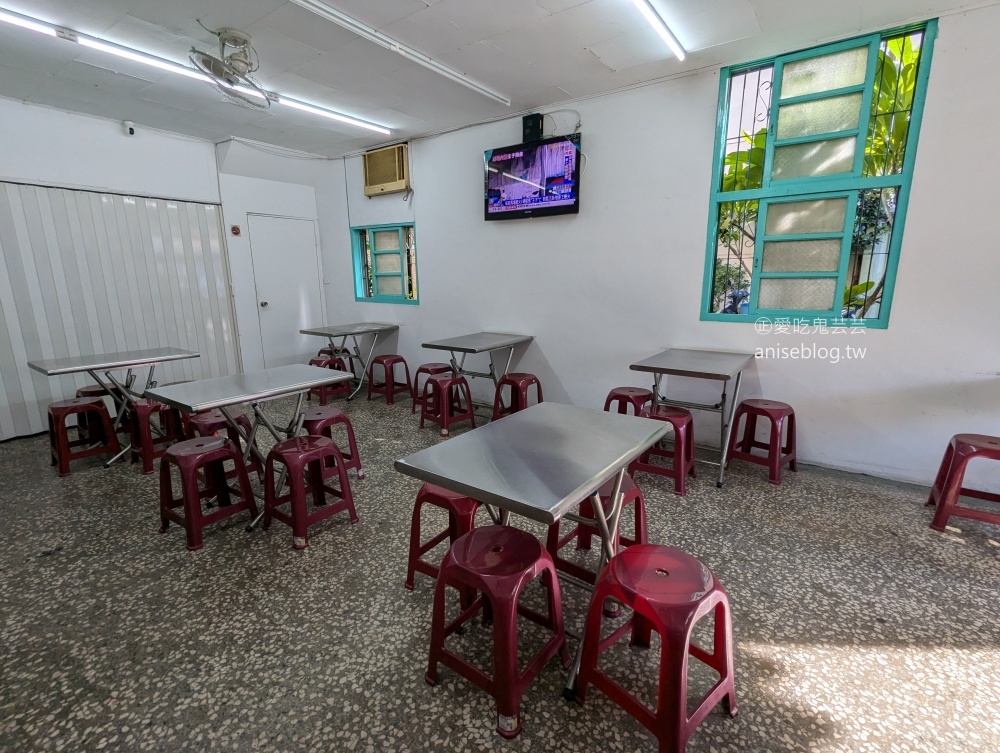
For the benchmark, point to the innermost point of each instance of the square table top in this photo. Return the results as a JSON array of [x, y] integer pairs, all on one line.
[[346, 330], [218, 392], [722, 365], [106, 361], [539, 462], [480, 342]]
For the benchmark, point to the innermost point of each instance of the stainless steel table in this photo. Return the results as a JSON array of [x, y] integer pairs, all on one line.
[[353, 331], [108, 362], [480, 342], [541, 463], [252, 387], [715, 365]]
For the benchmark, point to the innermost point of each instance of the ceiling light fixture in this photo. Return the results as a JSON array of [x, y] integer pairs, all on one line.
[[296, 104], [373, 35], [660, 26], [94, 43]]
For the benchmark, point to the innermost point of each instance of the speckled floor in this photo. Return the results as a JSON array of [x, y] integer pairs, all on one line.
[[857, 628]]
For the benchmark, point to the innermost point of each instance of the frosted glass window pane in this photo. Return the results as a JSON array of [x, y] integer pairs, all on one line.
[[818, 216], [813, 294], [802, 256], [387, 263], [386, 240], [824, 73], [819, 116], [816, 158], [389, 285]]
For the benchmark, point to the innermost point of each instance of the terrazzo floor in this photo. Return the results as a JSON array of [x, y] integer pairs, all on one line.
[[857, 628]]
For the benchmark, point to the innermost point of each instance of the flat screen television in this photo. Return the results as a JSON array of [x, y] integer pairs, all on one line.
[[536, 179]]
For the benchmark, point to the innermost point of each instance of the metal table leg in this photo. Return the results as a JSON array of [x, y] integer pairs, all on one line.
[[607, 525], [365, 363], [727, 426]]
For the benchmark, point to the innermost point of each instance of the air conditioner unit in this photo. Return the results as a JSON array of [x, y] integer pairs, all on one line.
[[386, 170]]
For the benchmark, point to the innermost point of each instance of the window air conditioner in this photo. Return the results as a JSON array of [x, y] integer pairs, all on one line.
[[386, 170]]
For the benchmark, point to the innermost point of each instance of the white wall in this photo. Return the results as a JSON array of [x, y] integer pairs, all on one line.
[[623, 279], [52, 147]]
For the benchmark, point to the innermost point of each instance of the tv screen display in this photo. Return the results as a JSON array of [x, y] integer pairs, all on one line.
[[536, 179]]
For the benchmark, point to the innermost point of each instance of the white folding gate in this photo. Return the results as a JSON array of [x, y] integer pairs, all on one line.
[[84, 273]]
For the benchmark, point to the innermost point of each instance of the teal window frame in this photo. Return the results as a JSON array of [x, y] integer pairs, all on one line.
[[359, 266], [774, 190]]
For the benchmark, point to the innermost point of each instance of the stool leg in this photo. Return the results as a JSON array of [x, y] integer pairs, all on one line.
[[790, 442], [774, 451], [551, 582], [734, 434], [437, 628], [671, 711], [750, 432], [723, 651], [950, 493], [414, 544], [192, 507], [939, 480], [300, 517], [639, 509], [505, 674], [270, 496], [680, 460], [591, 642], [166, 494]]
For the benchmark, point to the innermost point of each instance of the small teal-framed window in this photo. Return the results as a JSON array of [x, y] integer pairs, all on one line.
[[385, 263], [812, 172]]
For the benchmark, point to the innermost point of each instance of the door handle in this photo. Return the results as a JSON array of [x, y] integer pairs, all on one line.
[[263, 304]]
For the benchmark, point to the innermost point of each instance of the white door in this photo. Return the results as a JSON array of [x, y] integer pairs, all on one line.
[[289, 294]]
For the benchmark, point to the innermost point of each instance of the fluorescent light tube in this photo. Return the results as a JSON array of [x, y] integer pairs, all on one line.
[[373, 35], [27, 23], [294, 103], [650, 14], [140, 57]]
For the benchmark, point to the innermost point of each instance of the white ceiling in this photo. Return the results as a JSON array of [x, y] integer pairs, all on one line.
[[539, 53]]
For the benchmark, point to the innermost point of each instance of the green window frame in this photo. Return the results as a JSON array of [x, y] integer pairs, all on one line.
[[810, 188], [385, 263]]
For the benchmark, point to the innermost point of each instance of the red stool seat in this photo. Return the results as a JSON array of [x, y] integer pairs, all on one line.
[[682, 455], [623, 397], [442, 401], [100, 431], [319, 422], [326, 391], [209, 454], [427, 369], [390, 386], [461, 519], [669, 592], [211, 422], [497, 562], [306, 458], [779, 414], [583, 534], [147, 444], [948, 484], [518, 384]]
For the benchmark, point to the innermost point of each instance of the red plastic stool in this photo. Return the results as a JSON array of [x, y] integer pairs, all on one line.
[[102, 431], [319, 422], [442, 401], [326, 391], [682, 454], [519, 382], [583, 534], [211, 422], [211, 454], [461, 519], [948, 485], [390, 387], [306, 457], [147, 445], [428, 369], [623, 397], [777, 456], [669, 592], [341, 353], [498, 562]]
